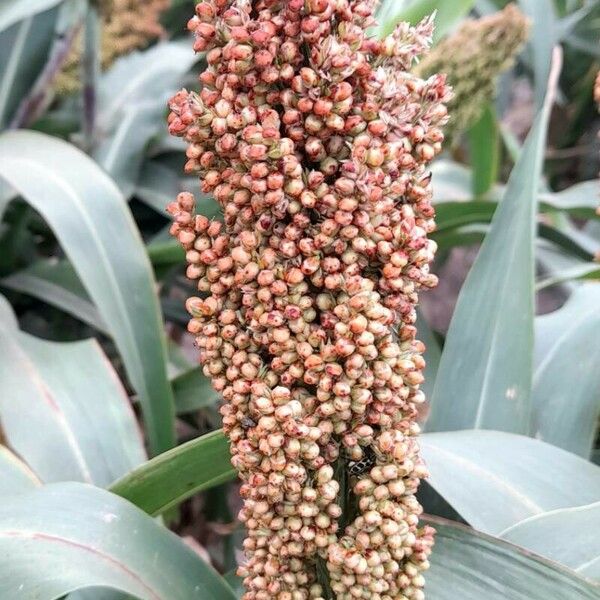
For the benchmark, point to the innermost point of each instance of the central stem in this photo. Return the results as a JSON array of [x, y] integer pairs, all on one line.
[[90, 74]]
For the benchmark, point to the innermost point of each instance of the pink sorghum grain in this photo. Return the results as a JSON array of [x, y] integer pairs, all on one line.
[[314, 139]]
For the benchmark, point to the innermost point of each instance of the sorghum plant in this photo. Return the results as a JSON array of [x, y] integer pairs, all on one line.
[[473, 58], [127, 25], [315, 139]]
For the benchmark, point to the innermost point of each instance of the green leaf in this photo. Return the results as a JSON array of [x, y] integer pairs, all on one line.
[[432, 355], [193, 391], [580, 200], [568, 536], [63, 537], [99, 593], [451, 181], [177, 474], [452, 184], [15, 476], [566, 383], [473, 231], [91, 219], [484, 377], [157, 186], [495, 479], [121, 154], [462, 236], [141, 76], [447, 17], [542, 38], [511, 143], [236, 583], [56, 282], [475, 566], [575, 273], [450, 215], [488, 7], [132, 104], [70, 392], [484, 151], [569, 240], [166, 253], [15, 10], [7, 195], [24, 50]]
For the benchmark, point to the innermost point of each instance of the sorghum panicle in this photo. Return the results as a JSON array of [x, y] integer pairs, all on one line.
[[127, 25], [473, 58], [314, 139]]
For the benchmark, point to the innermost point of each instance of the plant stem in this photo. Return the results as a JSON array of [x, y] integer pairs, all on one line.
[[348, 503], [323, 579], [34, 104], [90, 66]]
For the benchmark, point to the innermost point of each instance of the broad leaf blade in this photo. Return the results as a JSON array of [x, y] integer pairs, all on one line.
[[579, 200], [484, 378], [24, 49], [133, 97], [141, 76], [56, 282], [578, 272], [544, 35], [469, 565], [432, 353], [64, 537], [566, 383], [495, 479], [448, 14], [92, 221], [121, 154], [15, 476], [71, 394], [484, 151], [15, 10], [170, 478], [193, 391], [452, 183], [157, 186], [568, 536]]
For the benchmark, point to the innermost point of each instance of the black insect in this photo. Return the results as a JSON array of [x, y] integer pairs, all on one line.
[[247, 422], [358, 467]]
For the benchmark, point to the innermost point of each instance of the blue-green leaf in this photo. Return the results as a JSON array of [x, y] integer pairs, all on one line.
[[568, 536], [70, 392], [484, 151], [448, 14], [15, 476], [495, 479], [13, 11], [68, 536], [132, 103], [566, 383], [92, 221], [56, 282], [24, 49], [432, 355], [469, 565], [484, 377]]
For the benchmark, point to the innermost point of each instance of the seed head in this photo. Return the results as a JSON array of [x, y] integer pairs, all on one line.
[[315, 141]]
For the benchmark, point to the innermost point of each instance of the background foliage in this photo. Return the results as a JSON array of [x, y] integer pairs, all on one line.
[[93, 342]]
